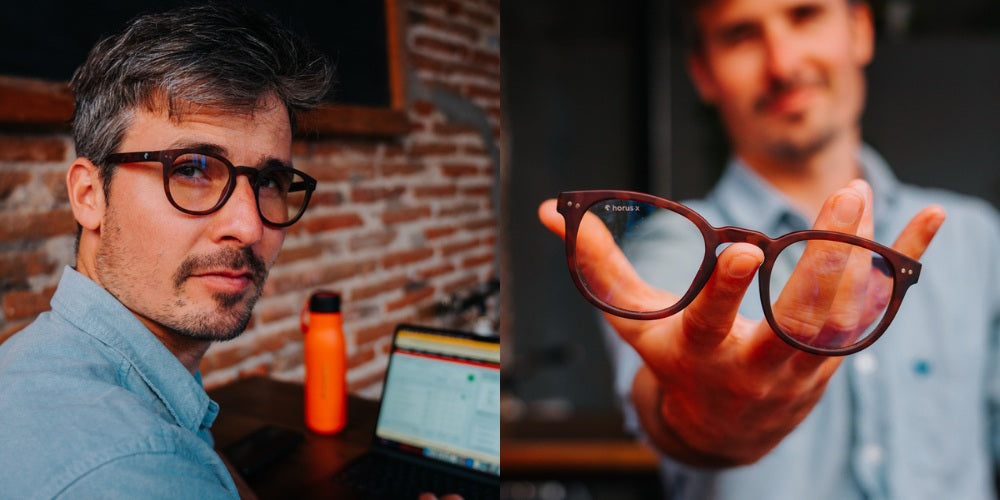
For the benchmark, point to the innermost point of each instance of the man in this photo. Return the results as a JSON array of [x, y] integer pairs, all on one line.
[[737, 412], [183, 191], [101, 396]]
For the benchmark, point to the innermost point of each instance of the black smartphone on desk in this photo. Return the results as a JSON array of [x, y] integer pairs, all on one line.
[[261, 448]]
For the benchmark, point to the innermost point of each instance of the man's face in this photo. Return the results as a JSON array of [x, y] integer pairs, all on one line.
[[786, 75], [193, 276]]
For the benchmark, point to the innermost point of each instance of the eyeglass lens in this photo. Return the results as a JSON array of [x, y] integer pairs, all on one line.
[[198, 182], [667, 250]]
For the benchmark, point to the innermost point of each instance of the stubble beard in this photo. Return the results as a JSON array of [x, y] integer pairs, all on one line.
[[177, 314]]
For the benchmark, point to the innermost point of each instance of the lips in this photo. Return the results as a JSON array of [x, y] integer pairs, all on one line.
[[224, 281]]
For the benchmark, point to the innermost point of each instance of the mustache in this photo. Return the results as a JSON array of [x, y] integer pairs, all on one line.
[[780, 86], [230, 259]]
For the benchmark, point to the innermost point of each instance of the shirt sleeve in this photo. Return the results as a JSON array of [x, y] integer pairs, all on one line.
[[153, 476]]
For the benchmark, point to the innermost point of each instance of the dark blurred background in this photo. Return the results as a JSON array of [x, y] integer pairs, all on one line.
[[596, 97]]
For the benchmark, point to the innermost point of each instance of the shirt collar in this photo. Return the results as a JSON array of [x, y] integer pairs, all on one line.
[[96, 312], [749, 201]]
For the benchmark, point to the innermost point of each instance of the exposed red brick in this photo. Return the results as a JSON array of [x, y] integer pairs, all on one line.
[[402, 169], [460, 209], [259, 369], [275, 341], [410, 298], [462, 284], [484, 58], [341, 147], [332, 222], [339, 173], [459, 170], [423, 108], [16, 267], [19, 304], [432, 233], [479, 224], [16, 226], [372, 240], [432, 272], [56, 183], [449, 250], [396, 215], [446, 129], [436, 191], [479, 92], [322, 198], [274, 312], [31, 148], [379, 287], [299, 253], [470, 262], [406, 257], [369, 195], [370, 334], [363, 355], [438, 45], [474, 191], [474, 149], [434, 148], [316, 276], [11, 180]]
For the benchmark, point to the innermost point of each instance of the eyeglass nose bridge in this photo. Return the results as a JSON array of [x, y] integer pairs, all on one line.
[[252, 176], [731, 234]]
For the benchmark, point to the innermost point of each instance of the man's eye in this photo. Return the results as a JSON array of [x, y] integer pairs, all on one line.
[[805, 13], [734, 35], [189, 170]]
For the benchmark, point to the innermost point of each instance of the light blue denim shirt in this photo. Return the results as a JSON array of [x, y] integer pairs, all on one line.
[[92, 405], [912, 417]]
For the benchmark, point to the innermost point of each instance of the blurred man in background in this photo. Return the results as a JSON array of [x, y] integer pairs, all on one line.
[[737, 412]]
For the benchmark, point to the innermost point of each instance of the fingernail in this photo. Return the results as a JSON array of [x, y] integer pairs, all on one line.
[[847, 207], [742, 266]]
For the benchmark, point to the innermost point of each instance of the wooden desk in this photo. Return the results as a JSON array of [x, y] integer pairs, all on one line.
[[305, 473]]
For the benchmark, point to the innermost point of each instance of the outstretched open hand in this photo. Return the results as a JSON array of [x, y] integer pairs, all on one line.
[[717, 389]]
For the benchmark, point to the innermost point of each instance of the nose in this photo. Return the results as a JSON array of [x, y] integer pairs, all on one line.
[[239, 219], [782, 54]]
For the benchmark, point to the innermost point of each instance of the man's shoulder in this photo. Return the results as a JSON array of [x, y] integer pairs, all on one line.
[[67, 410]]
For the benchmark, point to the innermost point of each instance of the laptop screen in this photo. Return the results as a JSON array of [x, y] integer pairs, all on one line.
[[441, 398]]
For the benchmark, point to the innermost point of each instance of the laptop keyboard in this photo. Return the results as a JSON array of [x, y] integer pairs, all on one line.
[[383, 477]]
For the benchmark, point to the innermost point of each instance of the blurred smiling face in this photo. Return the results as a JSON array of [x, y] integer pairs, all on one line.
[[786, 75], [188, 275]]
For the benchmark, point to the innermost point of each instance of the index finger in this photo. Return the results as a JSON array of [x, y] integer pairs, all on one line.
[[601, 268]]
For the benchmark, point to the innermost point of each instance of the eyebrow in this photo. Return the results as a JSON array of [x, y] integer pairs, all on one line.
[[218, 150]]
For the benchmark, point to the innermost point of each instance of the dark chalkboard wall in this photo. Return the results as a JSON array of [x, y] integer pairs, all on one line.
[[48, 39]]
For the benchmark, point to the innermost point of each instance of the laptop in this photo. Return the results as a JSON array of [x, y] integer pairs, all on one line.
[[438, 426]]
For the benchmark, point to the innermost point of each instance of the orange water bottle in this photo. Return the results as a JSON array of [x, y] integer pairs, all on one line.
[[325, 360]]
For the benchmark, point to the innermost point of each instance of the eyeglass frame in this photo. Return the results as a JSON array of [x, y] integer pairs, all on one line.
[[573, 205], [166, 158]]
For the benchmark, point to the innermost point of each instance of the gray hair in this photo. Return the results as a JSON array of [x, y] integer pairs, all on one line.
[[219, 55]]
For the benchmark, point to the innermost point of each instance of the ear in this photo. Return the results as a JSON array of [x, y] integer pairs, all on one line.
[[702, 77], [86, 193], [864, 33]]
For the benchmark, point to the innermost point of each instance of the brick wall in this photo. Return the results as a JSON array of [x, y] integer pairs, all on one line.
[[398, 225]]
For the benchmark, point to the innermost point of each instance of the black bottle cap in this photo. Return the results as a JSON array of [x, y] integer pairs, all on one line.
[[325, 302]]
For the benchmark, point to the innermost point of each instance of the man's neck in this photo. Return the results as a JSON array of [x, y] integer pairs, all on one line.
[[188, 351], [809, 181]]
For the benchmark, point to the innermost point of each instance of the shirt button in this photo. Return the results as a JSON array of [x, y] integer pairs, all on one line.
[[922, 367], [865, 363], [872, 454]]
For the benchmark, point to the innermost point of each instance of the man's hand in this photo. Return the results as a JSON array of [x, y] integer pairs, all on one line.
[[717, 389]]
